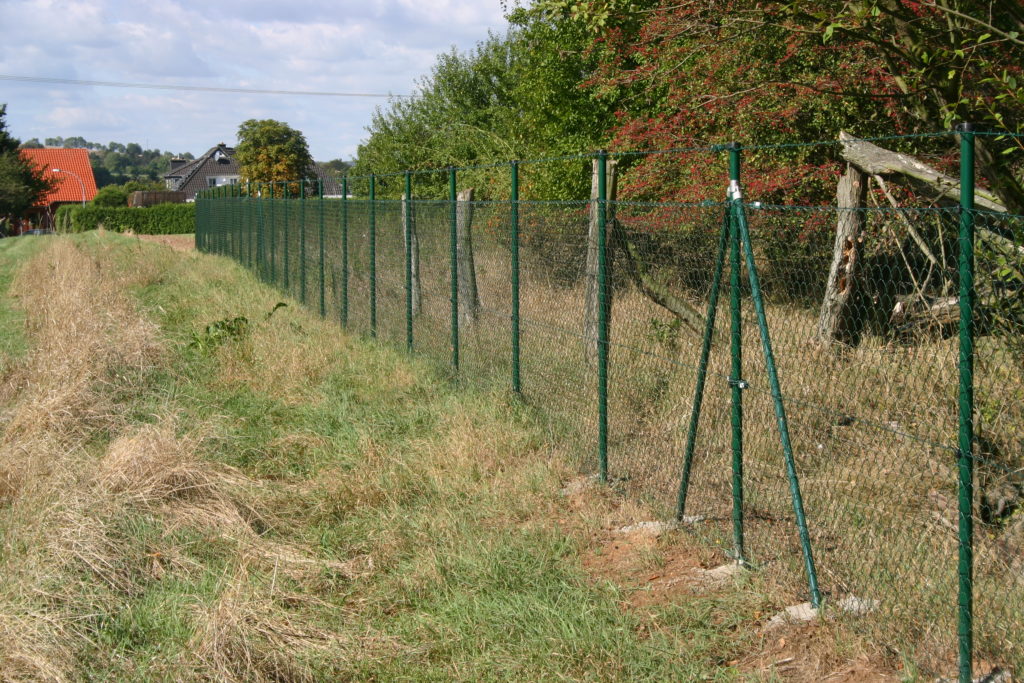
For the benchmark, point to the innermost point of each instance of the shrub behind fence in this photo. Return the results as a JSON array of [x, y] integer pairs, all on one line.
[[162, 219]]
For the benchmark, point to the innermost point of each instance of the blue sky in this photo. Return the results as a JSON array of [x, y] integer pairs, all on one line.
[[369, 46]]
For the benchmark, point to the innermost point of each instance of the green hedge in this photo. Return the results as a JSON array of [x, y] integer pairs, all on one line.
[[163, 219]]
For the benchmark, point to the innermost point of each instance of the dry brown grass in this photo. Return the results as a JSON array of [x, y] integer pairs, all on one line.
[[67, 494], [879, 489]]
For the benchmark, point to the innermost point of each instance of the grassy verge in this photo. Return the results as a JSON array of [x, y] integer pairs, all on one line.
[[13, 253], [198, 483]]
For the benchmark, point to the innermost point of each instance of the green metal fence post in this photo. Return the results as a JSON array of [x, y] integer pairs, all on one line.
[[203, 226], [302, 240], [514, 236], [213, 238], [248, 221], [965, 442], [776, 392], [261, 247], [736, 382], [702, 367], [408, 261], [200, 208], [287, 239], [273, 232], [453, 203], [320, 217], [344, 252], [373, 256], [602, 315], [239, 213], [221, 232], [232, 223]]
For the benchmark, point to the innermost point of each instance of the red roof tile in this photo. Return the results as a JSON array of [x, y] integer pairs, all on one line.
[[67, 188]]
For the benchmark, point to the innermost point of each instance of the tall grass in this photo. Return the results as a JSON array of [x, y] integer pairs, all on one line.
[[286, 502], [873, 425]]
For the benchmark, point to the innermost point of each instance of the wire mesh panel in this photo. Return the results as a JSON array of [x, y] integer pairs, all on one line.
[[390, 271], [358, 212], [999, 433], [558, 369], [872, 416], [431, 270], [663, 263], [826, 451], [485, 299]]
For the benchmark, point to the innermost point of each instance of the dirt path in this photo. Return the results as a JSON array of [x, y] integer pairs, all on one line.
[[178, 242]]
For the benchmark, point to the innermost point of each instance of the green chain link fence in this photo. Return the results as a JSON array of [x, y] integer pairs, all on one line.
[[844, 415]]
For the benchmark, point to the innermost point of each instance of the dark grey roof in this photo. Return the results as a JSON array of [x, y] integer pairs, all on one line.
[[331, 181], [191, 178]]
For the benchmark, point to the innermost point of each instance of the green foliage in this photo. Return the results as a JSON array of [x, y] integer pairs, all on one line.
[[111, 195], [118, 163], [272, 151], [225, 330], [117, 195], [20, 183], [339, 166], [513, 97], [218, 332], [951, 62], [163, 219]]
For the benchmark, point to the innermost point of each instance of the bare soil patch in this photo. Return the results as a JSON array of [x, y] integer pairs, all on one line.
[[657, 564], [176, 242]]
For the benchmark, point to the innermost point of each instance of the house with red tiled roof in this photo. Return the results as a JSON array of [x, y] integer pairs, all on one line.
[[73, 182]]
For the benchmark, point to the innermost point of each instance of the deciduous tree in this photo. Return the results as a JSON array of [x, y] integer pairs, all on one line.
[[272, 151]]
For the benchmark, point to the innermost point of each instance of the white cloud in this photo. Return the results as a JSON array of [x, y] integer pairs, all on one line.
[[69, 117], [323, 45]]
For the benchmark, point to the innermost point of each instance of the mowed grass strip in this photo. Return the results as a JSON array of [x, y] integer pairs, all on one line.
[[199, 483]]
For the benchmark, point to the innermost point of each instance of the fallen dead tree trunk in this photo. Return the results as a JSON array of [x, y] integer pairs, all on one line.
[[917, 311], [875, 160]]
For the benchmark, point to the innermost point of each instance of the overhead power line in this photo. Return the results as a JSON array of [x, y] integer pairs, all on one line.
[[190, 88]]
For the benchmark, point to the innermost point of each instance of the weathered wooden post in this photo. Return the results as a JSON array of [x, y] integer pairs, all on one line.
[[469, 298]]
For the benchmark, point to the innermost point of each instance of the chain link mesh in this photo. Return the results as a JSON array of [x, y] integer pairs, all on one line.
[[870, 387]]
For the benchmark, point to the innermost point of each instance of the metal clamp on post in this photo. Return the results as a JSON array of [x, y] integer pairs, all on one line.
[[740, 383], [734, 190]]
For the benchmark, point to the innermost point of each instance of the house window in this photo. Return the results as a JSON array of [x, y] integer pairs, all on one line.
[[218, 180]]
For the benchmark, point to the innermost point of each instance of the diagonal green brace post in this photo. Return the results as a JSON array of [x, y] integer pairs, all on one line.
[[740, 216], [702, 369]]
